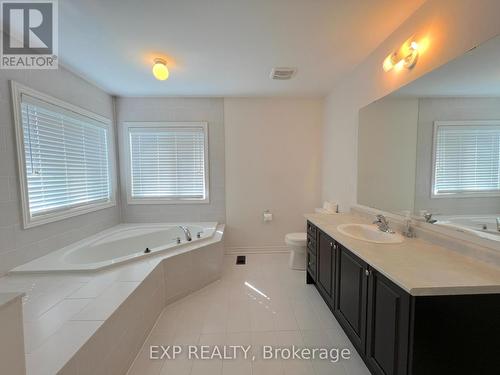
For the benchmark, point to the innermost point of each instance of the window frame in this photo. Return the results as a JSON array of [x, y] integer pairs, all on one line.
[[17, 90], [468, 123], [125, 144]]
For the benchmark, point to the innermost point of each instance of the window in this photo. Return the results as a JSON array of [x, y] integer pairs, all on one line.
[[466, 159], [168, 162], [64, 157]]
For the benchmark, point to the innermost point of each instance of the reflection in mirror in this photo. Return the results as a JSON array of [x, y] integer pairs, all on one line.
[[434, 146]]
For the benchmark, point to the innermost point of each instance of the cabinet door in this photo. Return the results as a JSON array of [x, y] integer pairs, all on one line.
[[387, 326], [351, 296], [325, 264]]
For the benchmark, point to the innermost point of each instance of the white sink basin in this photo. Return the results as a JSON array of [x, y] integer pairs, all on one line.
[[369, 233]]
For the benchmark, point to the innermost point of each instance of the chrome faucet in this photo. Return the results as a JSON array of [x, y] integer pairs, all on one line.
[[187, 232], [498, 224], [382, 224], [428, 218]]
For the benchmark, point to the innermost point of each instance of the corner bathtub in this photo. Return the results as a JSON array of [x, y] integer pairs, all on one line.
[[484, 226], [119, 244]]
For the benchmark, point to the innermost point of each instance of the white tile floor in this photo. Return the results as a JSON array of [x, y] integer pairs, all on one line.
[[260, 303]]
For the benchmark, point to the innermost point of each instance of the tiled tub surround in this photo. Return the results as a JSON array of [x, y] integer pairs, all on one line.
[[95, 323], [12, 360], [419, 267], [18, 245]]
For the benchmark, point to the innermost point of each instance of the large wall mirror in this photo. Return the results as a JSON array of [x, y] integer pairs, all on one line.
[[433, 147]]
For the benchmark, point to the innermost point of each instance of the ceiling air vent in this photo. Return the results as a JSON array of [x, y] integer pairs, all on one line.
[[282, 74]]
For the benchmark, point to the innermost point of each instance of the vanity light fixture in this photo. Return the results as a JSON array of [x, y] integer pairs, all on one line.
[[160, 69], [405, 57]]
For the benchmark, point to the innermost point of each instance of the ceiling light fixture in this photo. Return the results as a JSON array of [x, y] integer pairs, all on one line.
[[405, 57], [160, 70]]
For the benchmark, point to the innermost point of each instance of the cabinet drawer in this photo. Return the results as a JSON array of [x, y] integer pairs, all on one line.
[[311, 230], [311, 264], [311, 244]]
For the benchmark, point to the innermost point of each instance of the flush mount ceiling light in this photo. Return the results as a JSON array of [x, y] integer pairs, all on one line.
[[405, 57], [160, 70]]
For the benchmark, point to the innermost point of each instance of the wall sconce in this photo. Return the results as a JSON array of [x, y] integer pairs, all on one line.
[[405, 57]]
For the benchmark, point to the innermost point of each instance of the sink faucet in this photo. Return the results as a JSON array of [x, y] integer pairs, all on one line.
[[187, 233], [382, 224], [498, 224]]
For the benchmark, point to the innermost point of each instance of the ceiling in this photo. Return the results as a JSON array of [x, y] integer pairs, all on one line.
[[476, 73], [222, 47]]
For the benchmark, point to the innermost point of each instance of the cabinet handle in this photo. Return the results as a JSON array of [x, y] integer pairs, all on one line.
[[367, 272], [331, 243]]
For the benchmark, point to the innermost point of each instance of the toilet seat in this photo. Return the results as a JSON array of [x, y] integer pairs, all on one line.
[[296, 239]]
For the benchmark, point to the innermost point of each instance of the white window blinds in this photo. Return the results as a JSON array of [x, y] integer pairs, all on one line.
[[467, 159], [66, 158], [168, 162]]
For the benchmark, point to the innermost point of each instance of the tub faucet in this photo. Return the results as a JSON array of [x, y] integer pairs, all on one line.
[[187, 233], [428, 218], [383, 225]]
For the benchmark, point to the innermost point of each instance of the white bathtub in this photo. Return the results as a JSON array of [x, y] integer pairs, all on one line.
[[482, 226], [122, 243]]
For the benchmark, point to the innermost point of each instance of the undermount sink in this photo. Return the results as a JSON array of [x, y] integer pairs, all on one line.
[[369, 233]]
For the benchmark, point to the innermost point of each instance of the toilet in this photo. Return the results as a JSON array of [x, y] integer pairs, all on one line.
[[297, 243]]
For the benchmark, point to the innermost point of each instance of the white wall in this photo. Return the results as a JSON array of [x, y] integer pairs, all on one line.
[[451, 28], [210, 110], [387, 150], [272, 162], [17, 245], [430, 110]]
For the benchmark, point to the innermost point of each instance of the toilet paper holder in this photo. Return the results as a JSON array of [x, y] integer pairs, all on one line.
[[267, 215]]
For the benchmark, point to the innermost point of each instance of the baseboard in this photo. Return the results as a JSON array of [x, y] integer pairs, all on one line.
[[255, 249]]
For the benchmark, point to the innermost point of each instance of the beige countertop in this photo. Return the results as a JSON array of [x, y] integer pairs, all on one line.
[[421, 268]]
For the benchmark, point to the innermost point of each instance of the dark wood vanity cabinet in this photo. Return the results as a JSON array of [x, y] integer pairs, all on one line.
[[387, 326], [350, 304], [311, 256], [373, 311], [326, 267], [399, 334]]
